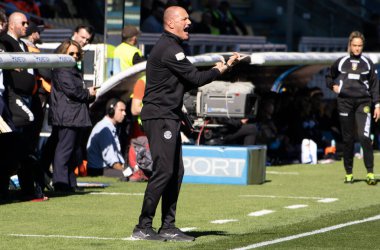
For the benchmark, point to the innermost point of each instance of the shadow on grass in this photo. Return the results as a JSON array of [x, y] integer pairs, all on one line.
[[15, 196], [365, 180], [197, 234], [53, 194]]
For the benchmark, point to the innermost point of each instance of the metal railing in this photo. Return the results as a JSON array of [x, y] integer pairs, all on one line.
[[205, 43], [322, 44]]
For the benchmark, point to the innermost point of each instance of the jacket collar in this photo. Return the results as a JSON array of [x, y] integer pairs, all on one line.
[[171, 35], [355, 57]]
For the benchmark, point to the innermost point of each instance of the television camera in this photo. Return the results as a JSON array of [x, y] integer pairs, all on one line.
[[211, 104]]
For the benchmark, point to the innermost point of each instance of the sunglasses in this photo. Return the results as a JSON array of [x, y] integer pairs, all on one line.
[[75, 53], [23, 23]]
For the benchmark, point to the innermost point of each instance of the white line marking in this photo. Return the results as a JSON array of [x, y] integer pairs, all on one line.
[[319, 231], [327, 200], [297, 206], [282, 173], [65, 236], [106, 193], [130, 238], [290, 197], [187, 229], [261, 212], [223, 221]]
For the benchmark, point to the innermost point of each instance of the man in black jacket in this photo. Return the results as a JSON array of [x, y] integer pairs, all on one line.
[[169, 75], [24, 106], [355, 80], [6, 136]]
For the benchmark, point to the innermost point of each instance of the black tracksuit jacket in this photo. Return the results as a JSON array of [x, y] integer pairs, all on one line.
[[356, 77], [169, 75]]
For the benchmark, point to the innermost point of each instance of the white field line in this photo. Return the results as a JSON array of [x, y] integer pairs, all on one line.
[[223, 221], [107, 193], [319, 231], [261, 212], [327, 200], [320, 199], [282, 173], [296, 206], [64, 236], [185, 229], [188, 229]]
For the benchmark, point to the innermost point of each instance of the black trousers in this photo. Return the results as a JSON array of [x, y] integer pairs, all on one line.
[[166, 149], [68, 155], [8, 150], [355, 119], [8, 161], [48, 151]]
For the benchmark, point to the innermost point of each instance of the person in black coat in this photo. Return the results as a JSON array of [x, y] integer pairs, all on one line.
[[69, 116], [24, 106], [169, 75], [5, 138]]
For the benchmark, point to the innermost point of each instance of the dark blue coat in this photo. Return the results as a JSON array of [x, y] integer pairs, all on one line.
[[69, 99]]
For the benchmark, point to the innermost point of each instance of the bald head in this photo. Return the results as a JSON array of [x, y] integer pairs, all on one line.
[[171, 13], [17, 24], [176, 21]]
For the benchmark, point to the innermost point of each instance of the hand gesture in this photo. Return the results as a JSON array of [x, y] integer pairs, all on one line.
[[92, 91], [223, 66]]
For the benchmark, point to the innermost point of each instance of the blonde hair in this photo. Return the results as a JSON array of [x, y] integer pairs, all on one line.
[[354, 34], [64, 46]]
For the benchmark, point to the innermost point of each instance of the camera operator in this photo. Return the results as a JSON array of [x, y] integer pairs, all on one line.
[[237, 131]]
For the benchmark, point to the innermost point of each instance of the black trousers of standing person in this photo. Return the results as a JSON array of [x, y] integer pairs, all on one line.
[[8, 162], [8, 151], [67, 157], [30, 174], [356, 113], [166, 149], [47, 155]]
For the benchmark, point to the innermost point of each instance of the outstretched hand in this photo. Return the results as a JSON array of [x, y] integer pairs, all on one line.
[[224, 66], [235, 58]]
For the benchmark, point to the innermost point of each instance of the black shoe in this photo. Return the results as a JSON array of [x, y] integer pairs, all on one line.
[[174, 234], [146, 234], [65, 188]]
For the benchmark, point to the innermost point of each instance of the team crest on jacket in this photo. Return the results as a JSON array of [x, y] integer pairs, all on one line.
[[354, 65], [366, 109], [167, 135], [180, 56]]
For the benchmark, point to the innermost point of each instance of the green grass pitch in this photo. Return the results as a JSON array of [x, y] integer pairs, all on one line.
[[298, 199]]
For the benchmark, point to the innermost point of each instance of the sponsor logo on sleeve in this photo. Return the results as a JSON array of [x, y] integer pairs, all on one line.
[[180, 56]]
